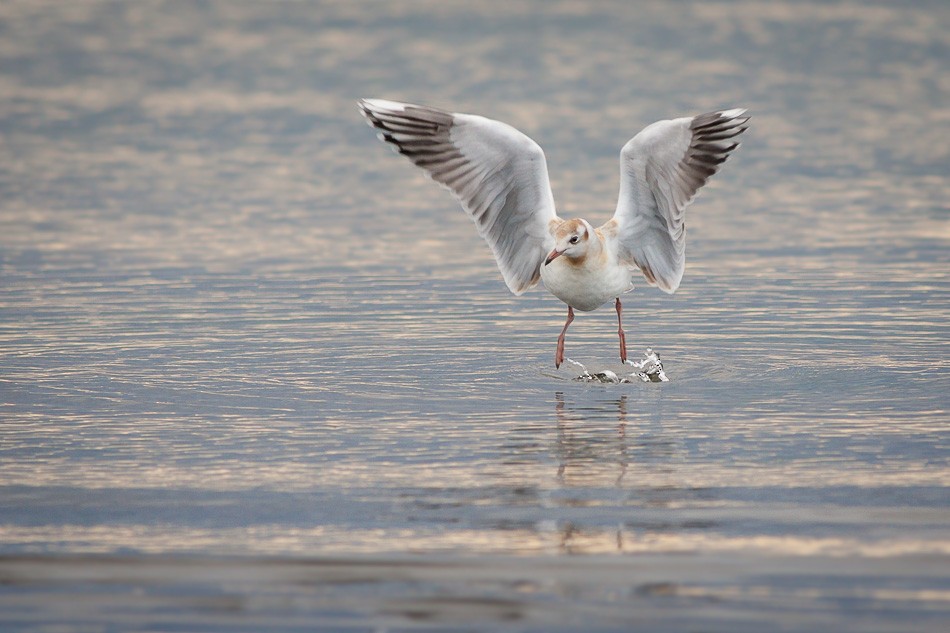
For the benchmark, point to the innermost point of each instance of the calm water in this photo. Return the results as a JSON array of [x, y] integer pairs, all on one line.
[[257, 373]]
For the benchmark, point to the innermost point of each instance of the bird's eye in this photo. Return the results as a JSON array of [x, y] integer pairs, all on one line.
[[573, 240]]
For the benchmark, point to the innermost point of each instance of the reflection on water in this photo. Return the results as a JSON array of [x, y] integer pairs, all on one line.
[[575, 447], [245, 384]]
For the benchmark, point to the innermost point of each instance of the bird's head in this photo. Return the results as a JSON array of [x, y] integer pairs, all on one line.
[[572, 239]]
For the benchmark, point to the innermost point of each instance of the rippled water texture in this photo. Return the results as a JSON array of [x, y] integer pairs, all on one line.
[[257, 373]]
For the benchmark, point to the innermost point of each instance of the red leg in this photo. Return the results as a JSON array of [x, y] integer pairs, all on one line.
[[623, 339], [559, 356]]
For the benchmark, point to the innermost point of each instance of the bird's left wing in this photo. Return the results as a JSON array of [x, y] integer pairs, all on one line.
[[498, 174], [661, 170]]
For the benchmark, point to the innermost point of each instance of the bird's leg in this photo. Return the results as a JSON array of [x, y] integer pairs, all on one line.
[[559, 356], [623, 339]]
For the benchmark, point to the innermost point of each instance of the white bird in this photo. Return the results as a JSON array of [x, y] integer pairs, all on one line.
[[500, 176]]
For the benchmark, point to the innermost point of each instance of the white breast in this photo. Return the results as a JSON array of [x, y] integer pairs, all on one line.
[[586, 286]]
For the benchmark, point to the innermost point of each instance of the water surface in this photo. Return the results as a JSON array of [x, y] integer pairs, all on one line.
[[259, 374]]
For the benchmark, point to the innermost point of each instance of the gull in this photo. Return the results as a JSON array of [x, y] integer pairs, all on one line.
[[500, 177]]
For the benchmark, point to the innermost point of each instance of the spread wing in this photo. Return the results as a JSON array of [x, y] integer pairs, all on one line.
[[661, 170], [498, 174]]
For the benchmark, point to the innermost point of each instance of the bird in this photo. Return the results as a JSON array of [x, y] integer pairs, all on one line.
[[500, 177]]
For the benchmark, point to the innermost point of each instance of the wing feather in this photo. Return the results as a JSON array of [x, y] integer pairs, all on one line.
[[499, 175], [661, 170]]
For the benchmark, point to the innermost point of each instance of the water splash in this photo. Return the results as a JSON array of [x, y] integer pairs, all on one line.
[[647, 369]]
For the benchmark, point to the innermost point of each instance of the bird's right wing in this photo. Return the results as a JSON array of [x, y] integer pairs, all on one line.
[[498, 174]]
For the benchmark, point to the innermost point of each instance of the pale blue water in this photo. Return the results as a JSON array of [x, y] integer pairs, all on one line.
[[257, 373]]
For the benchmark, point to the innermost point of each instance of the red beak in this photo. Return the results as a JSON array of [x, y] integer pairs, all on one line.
[[552, 256]]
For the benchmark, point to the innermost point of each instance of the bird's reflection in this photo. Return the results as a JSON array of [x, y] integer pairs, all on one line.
[[614, 453], [577, 446], [597, 443], [592, 436]]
